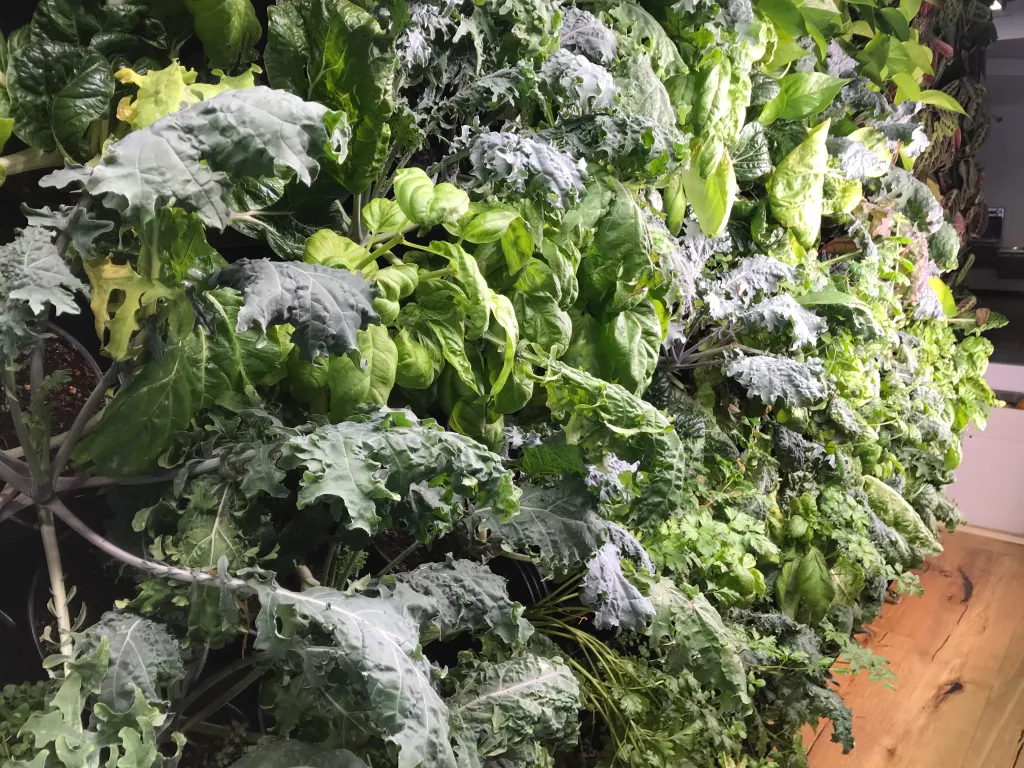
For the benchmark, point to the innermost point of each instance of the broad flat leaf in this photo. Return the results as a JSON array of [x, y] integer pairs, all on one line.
[[897, 513], [621, 254], [377, 649], [750, 157], [135, 428], [173, 244], [691, 633], [325, 306], [187, 158], [467, 272], [712, 197], [582, 32], [33, 278], [57, 90], [383, 454], [558, 526], [327, 248], [630, 344], [293, 753], [380, 215], [804, 589], [425, 204], [334, 52], [779, 378], [460, 596], [143, 656], [795, 188], [808, 93], [617, 603], [366, 380], [510, 706], [228, 29]]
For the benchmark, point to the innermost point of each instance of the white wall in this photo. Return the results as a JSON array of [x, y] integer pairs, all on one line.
[[989, 487]]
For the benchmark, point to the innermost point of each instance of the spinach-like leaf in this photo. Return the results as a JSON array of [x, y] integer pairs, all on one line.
[[57, 89], [228, 29], [750, 157], [795, 188], [368, 380], [326, 306]]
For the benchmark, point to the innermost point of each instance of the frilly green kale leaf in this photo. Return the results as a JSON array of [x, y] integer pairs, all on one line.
[[376, 648], [144, 659], [187, 159], [326, 306], [289, 753], [458, 596], [509, 707], [780, 378], [508, 163], [33, 278], [383, 456], [784, 313], [576, 85], [913, 198], [582, 32], [738, 287]]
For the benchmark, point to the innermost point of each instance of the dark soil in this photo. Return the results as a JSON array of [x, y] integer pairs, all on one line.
[[65, 402]]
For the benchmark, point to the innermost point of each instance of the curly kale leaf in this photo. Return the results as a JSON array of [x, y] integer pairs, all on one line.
[[389, 455], [187, 159], [144, 659], [739, 286], [288, 753], [507, 163], [458, 596], [582, 32], [513, 708], [33, 278], [375, 649], [772, 379], [326, 306]]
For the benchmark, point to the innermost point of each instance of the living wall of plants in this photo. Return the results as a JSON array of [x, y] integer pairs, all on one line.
[[499, 383]]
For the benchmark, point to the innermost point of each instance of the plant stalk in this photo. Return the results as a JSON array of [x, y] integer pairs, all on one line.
[[48, 531], [40, 481], [218, 679], [217, 704], [57, 440], [31, 159], [81, 420], [399, 559]]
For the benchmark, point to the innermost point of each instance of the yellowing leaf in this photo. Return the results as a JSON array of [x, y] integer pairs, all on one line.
[[118, 315], [167, 90]]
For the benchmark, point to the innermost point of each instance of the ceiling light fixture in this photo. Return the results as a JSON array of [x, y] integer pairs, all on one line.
[[996, 5]]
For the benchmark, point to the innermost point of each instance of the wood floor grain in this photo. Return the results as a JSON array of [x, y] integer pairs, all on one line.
[[958, 652]]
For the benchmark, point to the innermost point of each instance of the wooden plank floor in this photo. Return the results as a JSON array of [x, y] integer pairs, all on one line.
[[958, 652]]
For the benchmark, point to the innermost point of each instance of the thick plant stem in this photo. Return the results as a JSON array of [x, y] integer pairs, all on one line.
[[148, 566], [53, 566], [40, 481], [57, 440], [399, 559], [31, 159], [81, 420], [14, 475]]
